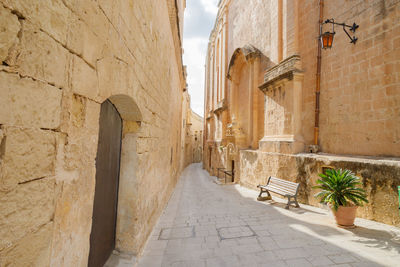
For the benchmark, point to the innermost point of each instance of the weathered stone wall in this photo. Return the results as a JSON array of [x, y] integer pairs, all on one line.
[[360, 85], [253, 22], [193, 139], [60, 60], [196, 136], [360, 95], [186, 159], [380, 178]]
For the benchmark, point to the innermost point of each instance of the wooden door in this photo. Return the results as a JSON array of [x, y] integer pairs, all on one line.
[[102, 237], [233, 171]]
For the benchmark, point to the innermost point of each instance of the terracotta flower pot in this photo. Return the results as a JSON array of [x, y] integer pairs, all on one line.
[[345, 216]]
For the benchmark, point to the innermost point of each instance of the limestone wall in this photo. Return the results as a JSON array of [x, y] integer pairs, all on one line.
[[193, 136], [196, 131], [360, 96], [380, 178], [360, 85], [60, 59], [253, 22]]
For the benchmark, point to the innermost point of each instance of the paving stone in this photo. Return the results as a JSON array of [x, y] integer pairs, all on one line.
[[343, 258], [235, 232], [177, 233], [265, 256], [291, 253], [226, 261], [247, 249], [298, 263], [273, 263], [366, 264], [248, 259], [153, 261], [319, 260]]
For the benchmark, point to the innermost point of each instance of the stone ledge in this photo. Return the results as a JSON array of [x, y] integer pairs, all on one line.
[[393, 161], [284, 70]]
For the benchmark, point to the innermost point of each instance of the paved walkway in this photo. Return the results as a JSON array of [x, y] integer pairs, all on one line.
[[206, 224]]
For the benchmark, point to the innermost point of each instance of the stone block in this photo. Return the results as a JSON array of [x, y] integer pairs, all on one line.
[[24, 209], [32, 250], [92, 15], [27, 154], [52, 16], [84, 79], [9, 28], [83, 41], [41, 57], [92, 118], [24, 102]]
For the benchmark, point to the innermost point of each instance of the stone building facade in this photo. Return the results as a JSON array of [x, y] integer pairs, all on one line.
[[193, 134], [261, 96], [69, 69]]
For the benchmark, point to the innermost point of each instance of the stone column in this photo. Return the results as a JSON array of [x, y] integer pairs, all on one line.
[[283, 106], [250, 65], [297, 111], [255, 107]]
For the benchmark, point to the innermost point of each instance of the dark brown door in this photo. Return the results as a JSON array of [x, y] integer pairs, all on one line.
[[233, 171], [209, 158], [102, 237]]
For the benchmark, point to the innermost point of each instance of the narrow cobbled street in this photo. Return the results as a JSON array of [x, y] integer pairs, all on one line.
[[206, 224]]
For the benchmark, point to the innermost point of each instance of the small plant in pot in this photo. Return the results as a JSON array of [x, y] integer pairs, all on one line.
[[341, 191]]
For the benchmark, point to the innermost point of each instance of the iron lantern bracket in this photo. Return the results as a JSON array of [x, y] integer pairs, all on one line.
[[352, 28]]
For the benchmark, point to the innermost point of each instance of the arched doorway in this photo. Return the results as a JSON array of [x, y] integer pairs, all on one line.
[[102, 237], [245, 99]]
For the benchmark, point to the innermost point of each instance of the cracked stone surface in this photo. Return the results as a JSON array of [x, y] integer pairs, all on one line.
[[297, 237]]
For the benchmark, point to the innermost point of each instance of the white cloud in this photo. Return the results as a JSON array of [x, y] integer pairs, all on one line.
[[194, 57], [210, 6], [199, 20]]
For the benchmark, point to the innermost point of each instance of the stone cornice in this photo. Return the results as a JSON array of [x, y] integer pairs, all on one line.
[[221, 106], [284, 70]]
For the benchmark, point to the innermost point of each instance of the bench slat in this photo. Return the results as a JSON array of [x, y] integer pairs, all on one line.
[[280, 189], [277, 180], [283, 185]]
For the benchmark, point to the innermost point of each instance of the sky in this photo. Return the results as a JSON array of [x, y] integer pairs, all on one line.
[[199, 21]]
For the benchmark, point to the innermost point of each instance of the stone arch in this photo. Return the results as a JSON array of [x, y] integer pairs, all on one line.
[[241, 55], [127, 108], [246, 100]]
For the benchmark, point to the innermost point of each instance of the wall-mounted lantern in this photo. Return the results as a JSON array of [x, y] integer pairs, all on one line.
[[327, 37]]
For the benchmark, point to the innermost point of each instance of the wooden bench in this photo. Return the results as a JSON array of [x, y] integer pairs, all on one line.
[[281, 187]]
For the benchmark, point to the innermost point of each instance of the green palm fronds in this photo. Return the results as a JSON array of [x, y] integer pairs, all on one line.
[[340, 188]]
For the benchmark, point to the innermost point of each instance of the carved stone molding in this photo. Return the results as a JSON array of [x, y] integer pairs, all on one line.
[[285, 70], [248, 51], [221, 106]]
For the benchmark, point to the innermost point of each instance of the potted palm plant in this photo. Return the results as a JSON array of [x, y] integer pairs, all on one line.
[[341, 191]]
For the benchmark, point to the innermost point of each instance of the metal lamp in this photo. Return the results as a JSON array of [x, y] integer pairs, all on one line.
[[326, 38]]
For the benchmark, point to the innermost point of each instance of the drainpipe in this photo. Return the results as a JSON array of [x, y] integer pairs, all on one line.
[[318, 78]]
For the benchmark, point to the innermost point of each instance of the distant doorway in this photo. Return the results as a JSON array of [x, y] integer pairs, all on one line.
[[102, 237], [233, 171], [209, 157]]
